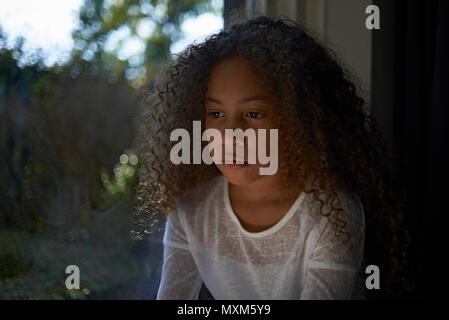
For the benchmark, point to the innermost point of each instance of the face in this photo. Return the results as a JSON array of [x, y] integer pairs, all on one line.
[[237, 98]]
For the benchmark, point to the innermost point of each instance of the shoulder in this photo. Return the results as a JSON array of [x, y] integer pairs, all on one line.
[[189, 213], [352, 211], [351, 221], [338, 239]]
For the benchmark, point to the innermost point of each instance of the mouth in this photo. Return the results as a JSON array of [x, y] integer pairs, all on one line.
[[234, 164]]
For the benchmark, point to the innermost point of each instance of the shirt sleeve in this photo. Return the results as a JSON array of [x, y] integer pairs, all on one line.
[[180, 278], [332, 271]]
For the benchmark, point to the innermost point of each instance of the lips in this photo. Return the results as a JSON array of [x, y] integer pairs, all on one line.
[[234, 157], [235, 166], [234, 162]]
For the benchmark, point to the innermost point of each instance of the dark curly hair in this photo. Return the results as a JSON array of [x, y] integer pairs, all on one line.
[[328, 134]]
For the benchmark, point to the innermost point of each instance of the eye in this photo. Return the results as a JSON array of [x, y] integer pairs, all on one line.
[[216, 114], [254, 114]]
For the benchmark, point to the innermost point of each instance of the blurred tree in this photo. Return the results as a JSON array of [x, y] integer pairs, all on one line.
[[19, 139], [51, 117], [54, 126], [109, 30], [57, 134]]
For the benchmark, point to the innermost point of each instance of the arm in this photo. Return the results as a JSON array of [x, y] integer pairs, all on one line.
[[180, 278], [332, 270]]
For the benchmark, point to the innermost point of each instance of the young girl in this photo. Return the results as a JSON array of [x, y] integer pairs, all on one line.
[[300, 232]]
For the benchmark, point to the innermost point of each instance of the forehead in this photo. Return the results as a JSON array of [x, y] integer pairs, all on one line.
[[235, 78]]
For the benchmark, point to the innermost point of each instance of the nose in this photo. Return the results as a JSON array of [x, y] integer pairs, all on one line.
[[233, 124]]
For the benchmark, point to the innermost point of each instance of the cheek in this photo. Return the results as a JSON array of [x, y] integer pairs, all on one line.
[[210, 124], [214, 124], [267, 141], [207, 123]]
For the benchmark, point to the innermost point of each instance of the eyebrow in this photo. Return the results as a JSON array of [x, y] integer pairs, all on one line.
[[244, 100]]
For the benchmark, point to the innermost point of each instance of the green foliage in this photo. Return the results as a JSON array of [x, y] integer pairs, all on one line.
[[122, 183], [51, 130], [153, 24]]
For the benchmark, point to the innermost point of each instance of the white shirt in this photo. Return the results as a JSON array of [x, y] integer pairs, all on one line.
[[297, 258]]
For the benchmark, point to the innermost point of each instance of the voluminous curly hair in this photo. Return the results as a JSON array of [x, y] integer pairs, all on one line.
[[328, 135]]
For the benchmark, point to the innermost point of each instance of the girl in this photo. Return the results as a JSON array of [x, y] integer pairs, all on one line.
[[299, 233]]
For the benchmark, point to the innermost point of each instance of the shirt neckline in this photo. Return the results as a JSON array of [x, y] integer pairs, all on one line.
[[268, 231]]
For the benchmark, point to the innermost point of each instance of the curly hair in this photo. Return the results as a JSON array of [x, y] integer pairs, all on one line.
[[328, 136]]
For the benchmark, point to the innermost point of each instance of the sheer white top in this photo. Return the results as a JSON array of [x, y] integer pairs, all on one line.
[[298, 258]]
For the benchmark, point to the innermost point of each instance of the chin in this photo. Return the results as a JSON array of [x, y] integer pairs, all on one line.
[[240, 177]]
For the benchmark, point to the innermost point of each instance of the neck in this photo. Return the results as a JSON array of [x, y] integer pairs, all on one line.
[[265, 189]]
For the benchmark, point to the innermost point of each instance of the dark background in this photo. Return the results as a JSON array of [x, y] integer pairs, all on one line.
[[410, 99]]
